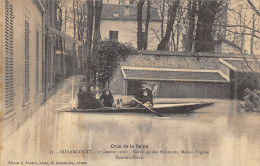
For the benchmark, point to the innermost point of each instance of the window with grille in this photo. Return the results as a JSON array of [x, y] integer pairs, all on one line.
[[37, 61], [113, 35], [27, 63], [9, 80]]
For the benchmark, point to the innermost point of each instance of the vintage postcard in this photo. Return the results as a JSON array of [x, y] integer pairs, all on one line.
[[130, 82]]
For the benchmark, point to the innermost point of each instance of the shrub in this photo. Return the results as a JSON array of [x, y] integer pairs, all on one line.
[[109, 55], [251, 100]]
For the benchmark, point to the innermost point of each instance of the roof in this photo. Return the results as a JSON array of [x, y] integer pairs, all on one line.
[[126, 12], [242, 65], [166, 74]]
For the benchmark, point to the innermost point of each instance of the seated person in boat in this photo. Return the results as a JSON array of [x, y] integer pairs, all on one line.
[[87, 98], [98, 92], [145, 88], [140, 95], [146, 99], [107, 98], [81, 97]]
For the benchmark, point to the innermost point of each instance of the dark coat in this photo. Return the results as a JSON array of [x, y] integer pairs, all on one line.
[[145, 99], [81, 99], [108, 99], [149, 98], [87, 100]]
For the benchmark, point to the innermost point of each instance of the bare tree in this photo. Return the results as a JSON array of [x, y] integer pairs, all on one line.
[[140, 4], [96, 37], [171, 14], [207, 11], [132, 2], [147, 25], [253, 7], [191, 26], [162, 16], [90, 16]]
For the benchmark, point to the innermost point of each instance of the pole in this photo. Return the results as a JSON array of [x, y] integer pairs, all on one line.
[[156, 113]]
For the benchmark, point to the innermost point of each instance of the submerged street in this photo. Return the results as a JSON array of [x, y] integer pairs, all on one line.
[[216, 135]]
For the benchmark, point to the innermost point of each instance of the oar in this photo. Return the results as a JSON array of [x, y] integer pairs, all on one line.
[[156, 113]]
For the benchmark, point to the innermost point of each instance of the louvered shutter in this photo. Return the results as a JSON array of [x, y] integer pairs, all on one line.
[[9, 80], [37, 61], [27, 64]]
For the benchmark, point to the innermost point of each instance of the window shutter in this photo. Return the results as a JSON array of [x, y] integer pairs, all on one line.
[[9, 80], [27, 64], [37, 61]]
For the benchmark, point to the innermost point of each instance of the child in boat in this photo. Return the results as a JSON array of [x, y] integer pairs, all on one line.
[[87, 98], [107, 98]]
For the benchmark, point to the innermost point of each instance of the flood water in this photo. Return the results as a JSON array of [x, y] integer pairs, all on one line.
[[219, 135]]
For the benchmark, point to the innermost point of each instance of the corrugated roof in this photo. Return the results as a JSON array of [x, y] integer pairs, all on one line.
[[126, 12], [173, 74], [242, 65]]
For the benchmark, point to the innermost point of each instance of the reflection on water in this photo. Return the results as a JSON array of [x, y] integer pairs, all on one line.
[[223, 133]]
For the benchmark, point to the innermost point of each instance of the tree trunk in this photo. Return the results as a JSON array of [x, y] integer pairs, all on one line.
[[96, 36], [89, 72], [206, 17], [191, 28], [98, 10], [140, 4], [147, 24], [132, 2], [74, 35], [172, 14], [162, 15], [252, 37]]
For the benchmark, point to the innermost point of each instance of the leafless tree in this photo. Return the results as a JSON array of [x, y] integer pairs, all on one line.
[[145, 42], [171, 14], [253, 7], [140, 5]]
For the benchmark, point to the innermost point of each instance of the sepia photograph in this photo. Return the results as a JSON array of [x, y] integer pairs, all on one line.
[[130, 82]]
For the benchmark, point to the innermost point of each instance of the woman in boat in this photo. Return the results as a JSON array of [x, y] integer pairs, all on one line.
[[107, 98], [82, 97], [92, 102], [87, 98]]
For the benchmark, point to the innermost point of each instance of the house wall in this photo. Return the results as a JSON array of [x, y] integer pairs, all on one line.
[[1, 64], [165, 60], [127, 32], [22, 10], [49, 47]]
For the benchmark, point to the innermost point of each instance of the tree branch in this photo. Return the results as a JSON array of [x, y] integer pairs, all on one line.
[[253, 7]]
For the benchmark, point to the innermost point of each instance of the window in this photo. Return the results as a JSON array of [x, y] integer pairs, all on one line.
[[27, 64], [37, 61], [113, 35], [9, 80]]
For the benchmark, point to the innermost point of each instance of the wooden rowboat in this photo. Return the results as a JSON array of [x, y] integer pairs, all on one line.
[[159, 108]]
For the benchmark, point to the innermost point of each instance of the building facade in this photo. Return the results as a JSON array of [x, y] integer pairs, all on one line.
[[27, 54], [119, 22]]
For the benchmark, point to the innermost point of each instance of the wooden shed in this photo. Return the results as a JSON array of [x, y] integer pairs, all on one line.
[[176, 83]]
